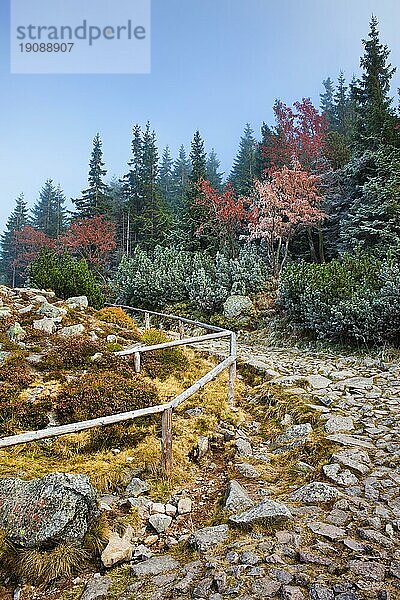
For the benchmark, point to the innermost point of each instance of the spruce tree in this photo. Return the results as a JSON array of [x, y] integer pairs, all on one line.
[[48, 213], [214, 176], [373, 183], [326, 100], [193, 214], [95, 199], [133, 191], [263, 163], [166, 180], [376, 119], [245, 166], [155, 216], [180, 180], [16, 222]]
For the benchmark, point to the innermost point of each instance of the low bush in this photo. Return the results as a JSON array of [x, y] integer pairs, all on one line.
[[161, 363], [168, 276], [102, 393], [352, 299], [66, 276], [117, 316], [70, 352], [17, 410]]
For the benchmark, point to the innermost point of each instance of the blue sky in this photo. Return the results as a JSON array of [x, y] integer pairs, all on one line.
[[216, 64]]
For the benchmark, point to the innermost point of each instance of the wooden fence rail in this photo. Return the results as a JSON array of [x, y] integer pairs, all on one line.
[[166, 409]]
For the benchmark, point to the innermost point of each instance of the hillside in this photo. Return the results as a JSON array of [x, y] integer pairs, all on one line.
[[292, 493]]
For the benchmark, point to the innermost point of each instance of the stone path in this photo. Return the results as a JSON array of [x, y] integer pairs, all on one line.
[[355, 549]]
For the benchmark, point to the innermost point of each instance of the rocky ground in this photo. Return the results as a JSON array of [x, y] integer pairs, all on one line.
[[297, 499]]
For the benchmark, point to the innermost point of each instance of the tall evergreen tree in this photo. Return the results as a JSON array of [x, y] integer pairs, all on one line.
[[245, 166], [326, 100], [192, 214], [198, 159], [16, 222], [155, 217], [263, 163], [133, 191], [95, 199], [180, 179], [214, 176], [372, 222], [166, 179], [49, 213], [376, 119]]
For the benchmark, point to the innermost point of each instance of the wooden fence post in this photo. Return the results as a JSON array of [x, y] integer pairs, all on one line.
[[166, 441], [146, 320], [181, 330], [232, 370], [136, 362]]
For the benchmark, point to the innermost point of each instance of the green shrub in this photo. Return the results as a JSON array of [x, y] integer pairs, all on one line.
[[353, 299], [102, 393], [66, 276], [161, 363]]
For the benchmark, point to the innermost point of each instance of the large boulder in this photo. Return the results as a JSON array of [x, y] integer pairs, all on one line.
[[268, 510], [51, 311], [208, 537], [77, 302], [238, 307], [44, 512], [237, 498]]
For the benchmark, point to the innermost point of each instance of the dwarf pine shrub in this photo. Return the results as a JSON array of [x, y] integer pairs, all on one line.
[[169, 276], [352, 299]]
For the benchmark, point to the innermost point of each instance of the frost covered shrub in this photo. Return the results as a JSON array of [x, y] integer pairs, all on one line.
[[152, 282], [356, 298], [171, 276]]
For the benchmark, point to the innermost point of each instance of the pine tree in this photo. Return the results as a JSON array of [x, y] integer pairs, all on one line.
[[95, 199], [49, 214], [165, 179], [155, 221], [373, 183], [376, 119], [263, 163], [326, 100], [180, 180], [16, 222], [198, 159], [212, 171], [133, 191], [193, 214], [245, 165]]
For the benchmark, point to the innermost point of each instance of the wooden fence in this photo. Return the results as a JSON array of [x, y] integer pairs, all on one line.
[[166, 409]]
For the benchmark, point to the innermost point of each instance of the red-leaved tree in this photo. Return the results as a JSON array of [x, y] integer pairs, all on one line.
[[27, 245], [92, 239], [284, 203], [299, 135], [225, 215]]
